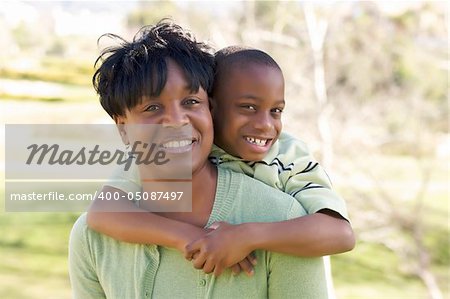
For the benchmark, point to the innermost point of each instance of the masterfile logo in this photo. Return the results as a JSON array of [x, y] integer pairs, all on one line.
[[52, 154]]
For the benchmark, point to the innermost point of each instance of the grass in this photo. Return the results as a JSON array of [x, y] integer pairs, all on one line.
[[52, 79], [53, 69], [27, 90], [372, 271], [33, 247]]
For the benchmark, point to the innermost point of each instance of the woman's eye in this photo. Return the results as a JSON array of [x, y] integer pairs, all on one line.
[[191, 101], [152, 108]]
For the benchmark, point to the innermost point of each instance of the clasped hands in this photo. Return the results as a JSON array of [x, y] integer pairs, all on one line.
[[222, 246]]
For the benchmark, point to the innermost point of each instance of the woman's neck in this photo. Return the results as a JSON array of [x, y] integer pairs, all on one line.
[[204, 183]]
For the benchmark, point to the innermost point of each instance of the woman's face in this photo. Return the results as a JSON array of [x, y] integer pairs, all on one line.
[[183, 116]]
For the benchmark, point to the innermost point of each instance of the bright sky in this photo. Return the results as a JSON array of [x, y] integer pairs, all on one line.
[[97, 17]]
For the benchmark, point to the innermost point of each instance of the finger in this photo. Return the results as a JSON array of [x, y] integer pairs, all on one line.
[[208, 267], [252, 259], [218, 270], [247, 267], [236, 269], [193, 246], [199, 262], [191, 255]]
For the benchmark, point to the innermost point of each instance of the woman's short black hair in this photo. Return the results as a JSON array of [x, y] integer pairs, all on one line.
[[135, 69]]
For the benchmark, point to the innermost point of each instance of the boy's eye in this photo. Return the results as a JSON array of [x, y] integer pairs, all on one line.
[[277, 110], [249, 107]]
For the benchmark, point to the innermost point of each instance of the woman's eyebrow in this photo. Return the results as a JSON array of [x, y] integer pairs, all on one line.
[[146, 99]]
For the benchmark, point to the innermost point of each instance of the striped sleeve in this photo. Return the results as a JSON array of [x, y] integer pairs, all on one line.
[[307, 181]]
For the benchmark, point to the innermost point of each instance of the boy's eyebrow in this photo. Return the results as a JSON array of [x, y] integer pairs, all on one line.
[[252, 97]]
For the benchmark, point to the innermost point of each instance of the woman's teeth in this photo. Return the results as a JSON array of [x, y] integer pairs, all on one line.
[[177, 144]]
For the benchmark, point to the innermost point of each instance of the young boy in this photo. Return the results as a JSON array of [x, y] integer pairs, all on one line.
[[247, 103]]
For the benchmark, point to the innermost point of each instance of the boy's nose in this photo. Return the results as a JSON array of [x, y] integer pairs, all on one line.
[[174, 117], [263, 122]]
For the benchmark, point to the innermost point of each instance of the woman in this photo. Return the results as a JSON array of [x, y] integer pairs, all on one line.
[[163, 77]]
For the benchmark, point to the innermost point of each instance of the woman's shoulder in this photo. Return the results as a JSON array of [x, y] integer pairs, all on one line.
[[256, 199]]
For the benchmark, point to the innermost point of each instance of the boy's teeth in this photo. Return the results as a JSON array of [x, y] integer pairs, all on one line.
[[259, 142], [175, 144]]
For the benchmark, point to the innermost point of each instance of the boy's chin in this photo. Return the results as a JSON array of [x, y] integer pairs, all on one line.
[[253, 157]]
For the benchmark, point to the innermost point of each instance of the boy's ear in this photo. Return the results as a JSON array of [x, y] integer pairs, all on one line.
[[121, 126]]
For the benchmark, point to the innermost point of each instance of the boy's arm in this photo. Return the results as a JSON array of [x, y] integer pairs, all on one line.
[[122, 220], [306, 236], [314, 235]]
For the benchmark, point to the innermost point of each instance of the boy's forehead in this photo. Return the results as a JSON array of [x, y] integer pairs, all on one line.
[[248, 66], [257, 82], [249, 71]]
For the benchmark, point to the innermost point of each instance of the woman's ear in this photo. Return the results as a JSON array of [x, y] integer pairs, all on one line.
[[121, 126], [212, 107]]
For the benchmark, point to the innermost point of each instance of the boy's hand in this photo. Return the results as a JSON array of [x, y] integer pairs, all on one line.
[[218, 250], [245, 265], [189, 235]]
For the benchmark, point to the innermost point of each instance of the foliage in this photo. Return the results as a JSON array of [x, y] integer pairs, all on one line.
[[150, 12]]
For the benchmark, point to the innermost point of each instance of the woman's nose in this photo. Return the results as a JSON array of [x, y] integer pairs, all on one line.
[[174, 117]]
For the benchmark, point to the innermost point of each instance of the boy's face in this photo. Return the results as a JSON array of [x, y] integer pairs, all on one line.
[[247, 108], [177, 110]]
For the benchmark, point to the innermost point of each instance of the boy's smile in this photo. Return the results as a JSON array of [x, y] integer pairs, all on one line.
[[247, 108], [259, 144]]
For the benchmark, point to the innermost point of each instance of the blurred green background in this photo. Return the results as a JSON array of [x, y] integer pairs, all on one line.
[[366, 88]]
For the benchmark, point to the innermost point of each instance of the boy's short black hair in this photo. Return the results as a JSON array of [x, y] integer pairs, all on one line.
[[135, 69], [238, 56]]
